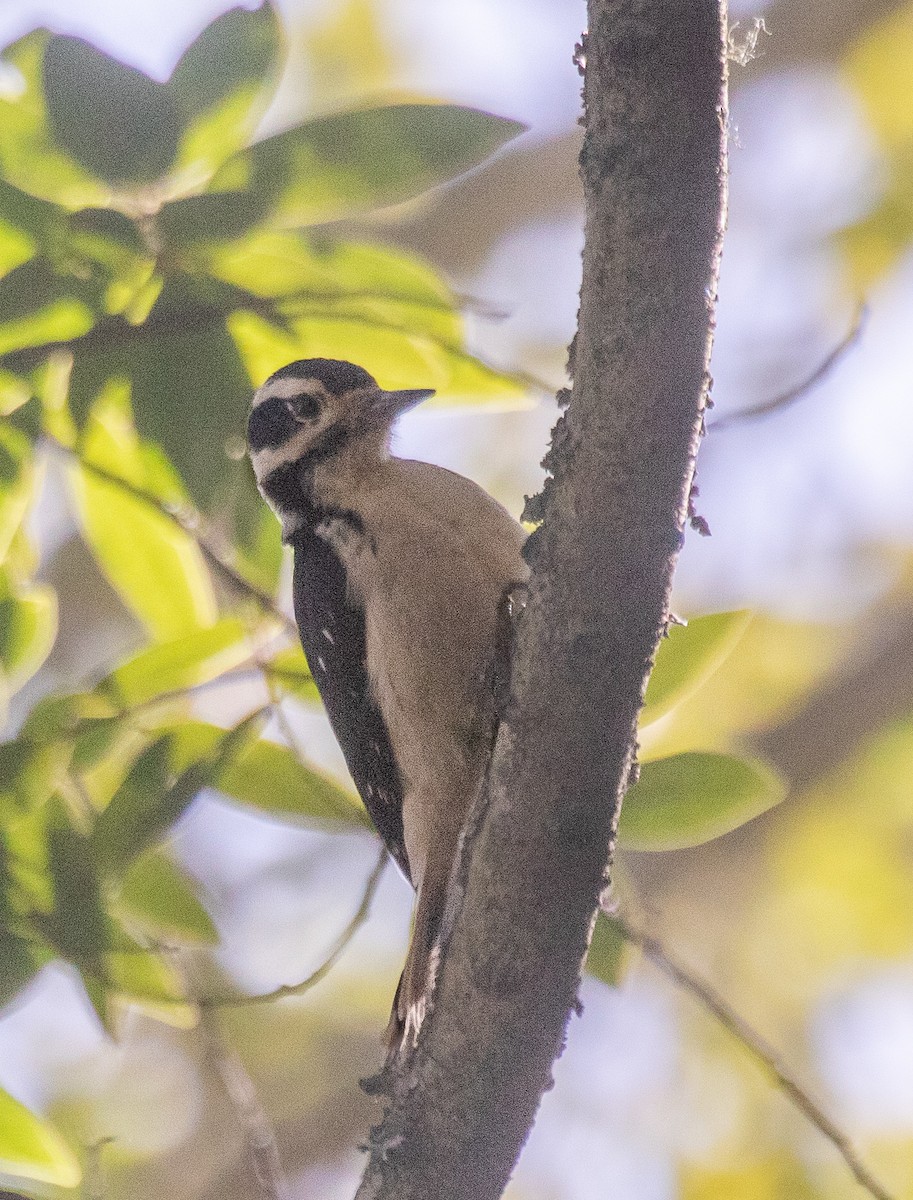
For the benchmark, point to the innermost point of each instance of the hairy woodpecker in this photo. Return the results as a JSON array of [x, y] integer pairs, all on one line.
[[401, 574]]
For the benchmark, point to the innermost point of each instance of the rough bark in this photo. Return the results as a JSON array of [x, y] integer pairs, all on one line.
[[535, 855]]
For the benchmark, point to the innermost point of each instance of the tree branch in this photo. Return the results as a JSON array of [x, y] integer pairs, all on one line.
[[534, 862], [754, 1043]]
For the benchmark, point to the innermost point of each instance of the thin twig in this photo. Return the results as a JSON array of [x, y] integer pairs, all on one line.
[[791, 395], [187, 519], [250, 1113], [298, 989], [754, 1042]]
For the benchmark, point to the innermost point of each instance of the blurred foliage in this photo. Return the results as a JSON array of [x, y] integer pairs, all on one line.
[[879, 66], [156, 262]]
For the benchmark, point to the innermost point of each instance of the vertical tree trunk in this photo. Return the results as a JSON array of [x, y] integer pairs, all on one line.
[[613, 515]]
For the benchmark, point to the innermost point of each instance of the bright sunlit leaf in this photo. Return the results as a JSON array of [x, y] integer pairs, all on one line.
[[156, 568], [604, 958], [179, 665], [28, 627], [32, 1149], [688, 799], [687, 656]]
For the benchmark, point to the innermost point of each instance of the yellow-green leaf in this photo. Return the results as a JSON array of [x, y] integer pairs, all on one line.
[[31, 1148], [28, 627], [184, 663], [157, 896], [347, 162], [156, 567], [690, 798], [689, 655]]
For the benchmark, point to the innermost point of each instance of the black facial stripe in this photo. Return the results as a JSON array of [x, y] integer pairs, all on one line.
[[336, 375], [282, 488], [288, 487], [270, 424], [352, 519]]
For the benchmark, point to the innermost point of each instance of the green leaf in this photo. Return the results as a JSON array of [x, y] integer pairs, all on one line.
[[396, 356], [271, 778], [31, 1148], [190, 391], [28, 773], [78, 926], [156, 895], [17, 483], [605, 957], [29, 156], [689, 655], [28, 628], [691, 798], [337, 165], [178, 665], [151, 800], [39, 306], [156, 568], [223, 82], [19, 964], [114, 120], [141, 975], [289, 669]]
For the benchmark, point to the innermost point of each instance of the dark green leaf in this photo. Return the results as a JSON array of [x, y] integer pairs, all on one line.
[[77, 927], [688, 656], [112, 119], [158, 897], [190, 391], [31, 1148], [141, 810], [606, 953], [150, 800], [211, 218], [29, 157], [19, 964], [38, 306], [223, 82], [688, 799], [28, 773], [333, 166]]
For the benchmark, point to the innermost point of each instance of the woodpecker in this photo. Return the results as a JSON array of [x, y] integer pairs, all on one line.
[[402, 571]]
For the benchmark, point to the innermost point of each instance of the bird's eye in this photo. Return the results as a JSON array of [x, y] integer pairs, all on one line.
[[304, 407]]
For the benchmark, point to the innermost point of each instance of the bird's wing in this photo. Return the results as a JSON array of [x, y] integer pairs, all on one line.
[[332, 632]]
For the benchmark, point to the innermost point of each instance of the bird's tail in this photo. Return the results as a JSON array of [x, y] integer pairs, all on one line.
[[417, 980]]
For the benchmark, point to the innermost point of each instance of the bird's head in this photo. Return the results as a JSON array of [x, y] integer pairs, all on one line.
[[312, 412]]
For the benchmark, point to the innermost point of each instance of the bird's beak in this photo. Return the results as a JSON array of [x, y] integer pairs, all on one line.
[[391, 404]]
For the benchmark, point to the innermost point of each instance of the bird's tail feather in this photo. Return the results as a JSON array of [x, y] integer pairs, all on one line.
[[417, 980]]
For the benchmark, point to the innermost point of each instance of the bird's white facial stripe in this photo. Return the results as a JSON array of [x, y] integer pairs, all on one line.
[[285, 389], [266, 461]]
